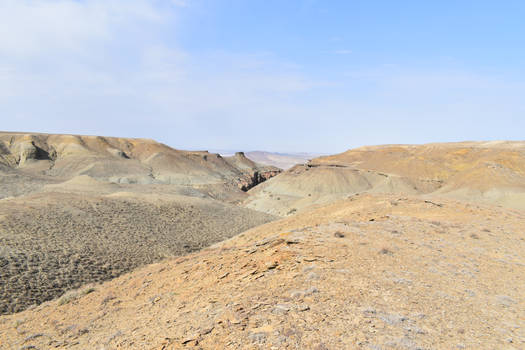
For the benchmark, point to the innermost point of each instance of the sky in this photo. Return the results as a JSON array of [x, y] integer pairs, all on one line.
[[287, 76]]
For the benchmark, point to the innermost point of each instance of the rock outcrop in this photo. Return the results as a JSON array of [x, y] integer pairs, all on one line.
[[254, 173]]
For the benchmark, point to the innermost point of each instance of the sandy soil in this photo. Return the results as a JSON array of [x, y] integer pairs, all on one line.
[[369, 272]]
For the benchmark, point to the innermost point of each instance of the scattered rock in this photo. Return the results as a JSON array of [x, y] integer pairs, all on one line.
[[258, 338], [281, 309]]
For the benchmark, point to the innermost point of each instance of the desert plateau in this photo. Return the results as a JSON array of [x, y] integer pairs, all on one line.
[[127, 243]]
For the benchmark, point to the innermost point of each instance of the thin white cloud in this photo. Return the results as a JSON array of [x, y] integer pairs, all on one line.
[[106, 67], [343, 52], [34, 27], [180, 3]]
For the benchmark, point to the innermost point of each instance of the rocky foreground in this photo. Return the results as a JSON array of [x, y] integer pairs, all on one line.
[[368, 272]]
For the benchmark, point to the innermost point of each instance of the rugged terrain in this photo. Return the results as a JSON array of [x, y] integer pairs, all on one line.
[[118, 160], [281, 160], [367, 272], [80, 209], [384, 247], [483, 172]]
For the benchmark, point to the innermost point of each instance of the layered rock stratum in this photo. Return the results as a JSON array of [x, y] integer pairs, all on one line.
[[120, 160]]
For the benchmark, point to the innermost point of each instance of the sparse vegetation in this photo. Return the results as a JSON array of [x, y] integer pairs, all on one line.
[[68, 297], [68, 241], [88, 291], [386, 251]]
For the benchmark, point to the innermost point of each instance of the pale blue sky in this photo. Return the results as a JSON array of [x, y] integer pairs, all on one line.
[[318, 76]]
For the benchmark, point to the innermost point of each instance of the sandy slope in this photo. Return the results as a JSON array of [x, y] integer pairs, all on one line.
[[488, 172], [369, 272]]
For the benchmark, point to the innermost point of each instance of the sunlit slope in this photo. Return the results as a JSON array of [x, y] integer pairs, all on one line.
[[369, 272], [477, 164], [491, 172]]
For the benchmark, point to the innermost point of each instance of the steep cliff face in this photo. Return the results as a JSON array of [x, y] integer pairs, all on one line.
[[253, 173], [256, 178]]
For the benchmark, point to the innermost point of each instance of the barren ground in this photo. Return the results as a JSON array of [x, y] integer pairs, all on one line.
[[369, 272]]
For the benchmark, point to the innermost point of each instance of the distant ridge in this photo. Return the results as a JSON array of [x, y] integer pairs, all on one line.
[[489, 172], [120, 160]]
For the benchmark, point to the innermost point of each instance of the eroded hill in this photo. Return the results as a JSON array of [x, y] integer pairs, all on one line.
[[368, 272], [488, 172], [80, 209], [120, 160]]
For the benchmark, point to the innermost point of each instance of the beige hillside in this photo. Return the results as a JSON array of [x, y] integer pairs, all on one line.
[[489, 172], [368, 272], [119, 160]]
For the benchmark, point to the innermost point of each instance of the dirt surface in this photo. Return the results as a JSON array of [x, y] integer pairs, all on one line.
[[385, 247], [368, 272]]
